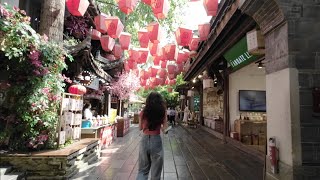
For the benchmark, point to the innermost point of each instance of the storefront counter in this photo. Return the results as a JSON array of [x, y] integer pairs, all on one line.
[[123, 126], [106, 133]]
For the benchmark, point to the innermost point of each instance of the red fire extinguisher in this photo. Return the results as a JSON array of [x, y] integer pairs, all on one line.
[[273, 154]]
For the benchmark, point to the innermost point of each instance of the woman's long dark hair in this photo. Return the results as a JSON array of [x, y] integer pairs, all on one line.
[[154, 111]]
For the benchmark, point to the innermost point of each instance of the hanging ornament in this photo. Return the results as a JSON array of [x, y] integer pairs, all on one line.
[[193, 46], [143, 55], [99, 21], [77, 7], [77, 89], [125, 40], [162, 73], [171, 68], [160, 8], [172, 82], [204, 30], [143, 36], [163, 64], [155, 32], [154, 71], [114, 26], [134, 55], [154, 48], [144, 74], [127, 6], [169, 51], [147, 2], [183, 36], [156, 60], [172, 76], [117, 51], [211, 7], [107, 43], [132, 64], [95, 34]]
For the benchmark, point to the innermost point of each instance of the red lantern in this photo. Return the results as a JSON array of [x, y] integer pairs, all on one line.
[[143, 55], [156, 60], [169, 51], [143, 37], [132, 64], [154, 48], [211, 7], [99, 21], [77, 7], [143, 82], [160, 8], [117, 51], [107, 43], [126, 67], [183, 36], [147, 2], [193, 46], [127, 6], [171, 68], [172, 82], [95, 34], [144, 74], [169, 89], [181, 57], [110, 57], [77, 89], [154, 71], [162, 73], [180, 68], [155, 32], [167, 82], [134, 55], [114, 26], [172, 76], [124, 40], [163, 64], [204, 30]]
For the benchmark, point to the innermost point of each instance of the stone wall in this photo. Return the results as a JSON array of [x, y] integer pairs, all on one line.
[[53, 166]]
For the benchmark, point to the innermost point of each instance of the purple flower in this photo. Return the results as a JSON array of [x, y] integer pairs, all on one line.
[[36, 72], [45, 71]]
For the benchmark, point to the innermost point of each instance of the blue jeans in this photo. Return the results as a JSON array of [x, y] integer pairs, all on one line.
[[150, 157]]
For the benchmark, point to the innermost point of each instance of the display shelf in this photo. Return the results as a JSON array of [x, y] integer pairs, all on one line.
[[69, 127]]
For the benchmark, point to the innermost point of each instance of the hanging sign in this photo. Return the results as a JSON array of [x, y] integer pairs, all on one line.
[[238, 56]]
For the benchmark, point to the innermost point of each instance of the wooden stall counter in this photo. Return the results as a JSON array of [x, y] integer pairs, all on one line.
[[106, 133]]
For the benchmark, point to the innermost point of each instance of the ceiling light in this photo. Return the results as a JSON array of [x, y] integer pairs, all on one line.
[[200, 76], [260, 65], [194, 80]]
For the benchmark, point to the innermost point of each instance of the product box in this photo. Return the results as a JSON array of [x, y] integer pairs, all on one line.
[[62, 138], [68, 117]]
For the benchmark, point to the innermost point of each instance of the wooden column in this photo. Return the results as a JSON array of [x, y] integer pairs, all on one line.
[[226, 118]]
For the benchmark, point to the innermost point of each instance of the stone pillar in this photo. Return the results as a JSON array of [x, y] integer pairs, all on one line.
[[293, 70]]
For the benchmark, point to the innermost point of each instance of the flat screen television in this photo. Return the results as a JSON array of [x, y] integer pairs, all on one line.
[[251, 100]]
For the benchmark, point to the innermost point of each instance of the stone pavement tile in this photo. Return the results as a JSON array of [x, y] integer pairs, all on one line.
[[133, 176], [210, 172], [169, 167], [136, 168], [99, 170], [179, 160], [122, 176], [183, 171], [110, 173], [117, 163], [126, 168], [224, 174], [170, 176]]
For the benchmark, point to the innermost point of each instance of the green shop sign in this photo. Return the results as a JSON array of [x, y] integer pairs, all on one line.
[[238, 56]]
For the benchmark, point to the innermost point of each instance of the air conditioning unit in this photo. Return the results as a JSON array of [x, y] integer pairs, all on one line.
[[255, 42]]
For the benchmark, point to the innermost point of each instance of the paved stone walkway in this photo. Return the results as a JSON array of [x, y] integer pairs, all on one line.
[[188, 154]]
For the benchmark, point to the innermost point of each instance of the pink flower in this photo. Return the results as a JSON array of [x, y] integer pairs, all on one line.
[[23, 12], [45, 71], [46, 90], [45, 38], [16, 8], [36, 72]]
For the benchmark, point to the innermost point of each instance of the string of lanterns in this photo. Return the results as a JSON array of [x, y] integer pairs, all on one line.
[[168, 60]]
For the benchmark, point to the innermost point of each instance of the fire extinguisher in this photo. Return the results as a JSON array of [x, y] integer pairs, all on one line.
[[273, 155]]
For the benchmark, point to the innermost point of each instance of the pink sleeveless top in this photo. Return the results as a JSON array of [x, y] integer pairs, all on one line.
[[145, 127]]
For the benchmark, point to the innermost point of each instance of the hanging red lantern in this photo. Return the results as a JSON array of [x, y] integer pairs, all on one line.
[[154, 48], [117, 51], [183, 36], [167, 82], [95, 34], [180, 57], [110, 57], [77, 89], [163, 64], [143, 37], [126, 67], [180, 68], [144, 74], [143, 55], [172, 82], [169, 89], [154, 71], [171, 68], [160, 8], [132, 64], [172, 76], [147, 2], [204, 30], [134, 55], [107, 43], [162, 73], [114, 26], [211, 7], [127, 6], [156, 60], [155, 32], [99, 21], [77, 7], [193, 46], [124, 40], [169, 51], [143, 82]]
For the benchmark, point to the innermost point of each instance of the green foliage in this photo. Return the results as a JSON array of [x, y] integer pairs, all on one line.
[[34, 66], [143, 15]]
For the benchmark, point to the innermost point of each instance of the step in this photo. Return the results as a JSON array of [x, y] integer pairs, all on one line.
[[5, 170], [13, 176]]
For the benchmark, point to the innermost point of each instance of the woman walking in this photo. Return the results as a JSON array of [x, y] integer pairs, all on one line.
[[153, 118]]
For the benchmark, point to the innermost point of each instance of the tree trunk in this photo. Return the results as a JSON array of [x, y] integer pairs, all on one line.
[[52, 19]]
